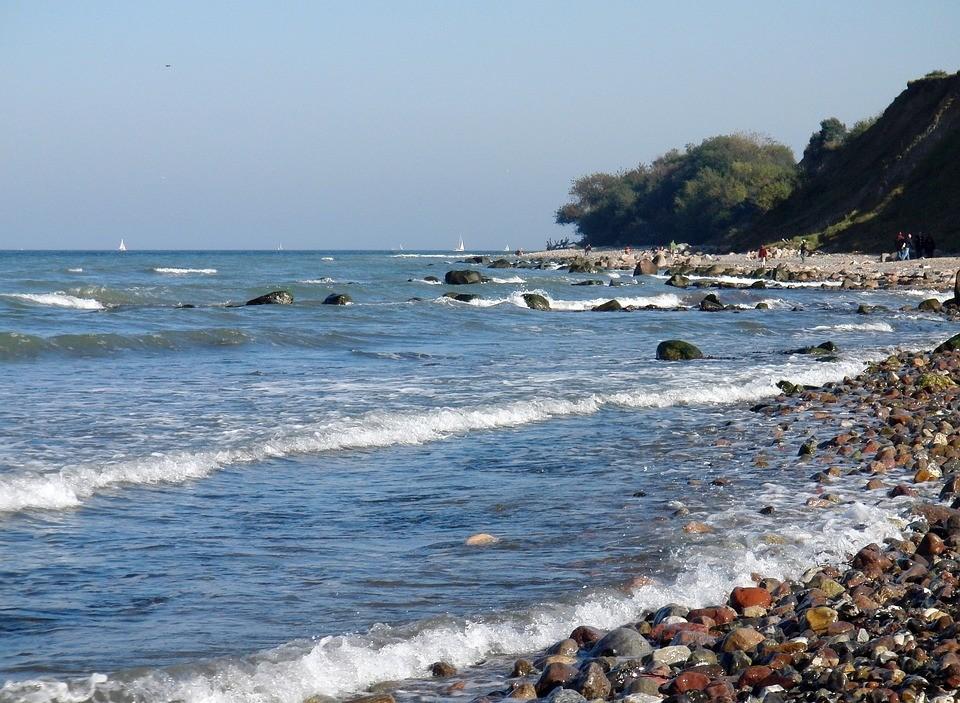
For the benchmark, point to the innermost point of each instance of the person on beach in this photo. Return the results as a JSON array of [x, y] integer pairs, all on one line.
[[804, 250], [930, 246], [762, 254], [903, 247], [587, 249]]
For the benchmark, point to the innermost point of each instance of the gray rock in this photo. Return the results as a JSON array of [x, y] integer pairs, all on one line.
[[622, 642], [462, 278], [337, 299], [565, 695], [671, 655], [277, 297], [535, 301], [609, 306]]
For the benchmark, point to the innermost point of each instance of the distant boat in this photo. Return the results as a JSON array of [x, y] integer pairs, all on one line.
[[460, 245], [401, 247], [280, 246], [122, 247], [507, 248]]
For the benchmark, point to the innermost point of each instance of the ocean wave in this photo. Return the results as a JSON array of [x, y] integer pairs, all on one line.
[[340, 665], [16, 345], [511, 279], [60, 300], [317, 281], [855, 327], [182, 271], [75, 270], [662, 300], [742, 280], [424, 256], [72, 486]]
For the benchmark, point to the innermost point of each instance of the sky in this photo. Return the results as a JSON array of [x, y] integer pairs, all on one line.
[[374, 125]]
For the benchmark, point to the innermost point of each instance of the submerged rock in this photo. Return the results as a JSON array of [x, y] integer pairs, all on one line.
[[711, 303], [678, 281], [645, 267], [535, 301], [930, 305], [277, 297], [481, 539], [337, 299], [462, 297], [677, 350]]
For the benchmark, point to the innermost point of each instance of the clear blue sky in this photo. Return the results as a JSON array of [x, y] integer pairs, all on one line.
[[373, 124]]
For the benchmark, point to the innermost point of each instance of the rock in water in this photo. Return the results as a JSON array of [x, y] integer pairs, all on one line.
[[930, 305], [622, 642], [581, 266], [277, 297], [711, 303], [645, 268], [677, 350], [952, 344], [462, 297], [462, 278], [337, 299], [678, 281], [535, 301], [609, 306], [481, 539]]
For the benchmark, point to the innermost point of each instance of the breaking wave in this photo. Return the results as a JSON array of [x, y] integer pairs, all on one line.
[[60, 300]]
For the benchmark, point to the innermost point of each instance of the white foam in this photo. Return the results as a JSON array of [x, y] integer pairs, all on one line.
[[747, 281], [183, 271], [337, 666], [59, 299], [511, 279], [75, 270], [318, 281], [73, 485], [663, 300], [855, 327], [326, 258]]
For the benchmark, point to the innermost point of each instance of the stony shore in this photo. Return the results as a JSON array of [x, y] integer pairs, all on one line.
[[859, 270], [883, 627]]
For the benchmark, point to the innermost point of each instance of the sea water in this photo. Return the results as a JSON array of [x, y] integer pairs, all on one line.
[[263, 503]]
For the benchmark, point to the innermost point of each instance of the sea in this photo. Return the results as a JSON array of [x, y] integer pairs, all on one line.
[[202, 501]]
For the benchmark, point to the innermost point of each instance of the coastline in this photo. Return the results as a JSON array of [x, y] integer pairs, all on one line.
[[879, 627], [860, 269]]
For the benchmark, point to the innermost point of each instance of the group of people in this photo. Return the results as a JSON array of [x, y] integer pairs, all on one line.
[[909, 247]]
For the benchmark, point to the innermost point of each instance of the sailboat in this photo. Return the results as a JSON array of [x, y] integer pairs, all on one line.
[[460, 245], [122, 247]]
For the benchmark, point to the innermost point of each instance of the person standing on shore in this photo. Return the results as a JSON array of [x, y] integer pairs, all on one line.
[[804, 250], [762, 254]]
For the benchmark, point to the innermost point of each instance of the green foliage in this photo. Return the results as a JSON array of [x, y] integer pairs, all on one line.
[[699, 194], [861, 126], [833, 133]]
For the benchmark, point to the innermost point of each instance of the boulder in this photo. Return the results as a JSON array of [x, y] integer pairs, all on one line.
[[677, 350], [930, 305], [277, 297], [609, 306], [678, 281], [588, 282], [555, 676], [535, 301], [645, 267], [593, 682], [711, 303], [481, 539], [581, 266], [442, 670], [952, 344], [501, 264], [462, 297], [337, 299], [622, 642], [465, 277]]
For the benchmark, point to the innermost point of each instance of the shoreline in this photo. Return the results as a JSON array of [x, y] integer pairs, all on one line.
[[838, 632], [860, 270]]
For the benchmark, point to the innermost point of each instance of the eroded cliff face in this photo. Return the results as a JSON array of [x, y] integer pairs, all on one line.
[[903, 173]]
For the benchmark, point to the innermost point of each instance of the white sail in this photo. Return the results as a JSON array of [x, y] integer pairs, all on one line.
[[459, 245], [122, 247]]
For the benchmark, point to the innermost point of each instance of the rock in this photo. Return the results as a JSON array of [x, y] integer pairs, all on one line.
[[593, 682], [554, 676], [431, 279], [501, 264], [934, 382], [277, 297], [711, 303], [535, 301], [524, 691], [565, 695], [462, 297], [581, 266], [567, 648], [689, 681], [589, 282], [675, 654], [761, 306], [820, 618], [622, 642], [746, 597], [609, 306], [678, 281], [337, 299], [586, 636], [930, 305], [521, 667], [677, 350], [481, 539], [462, 278], [952, 344], [697, 528], [442, 669], [375, 698], [742, 639], [645, 267], [819, 350]]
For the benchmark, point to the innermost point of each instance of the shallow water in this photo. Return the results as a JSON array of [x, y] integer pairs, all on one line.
[[262, 503]]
